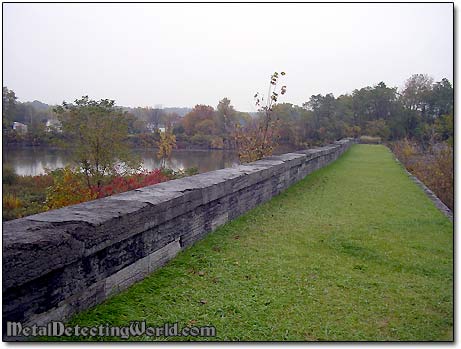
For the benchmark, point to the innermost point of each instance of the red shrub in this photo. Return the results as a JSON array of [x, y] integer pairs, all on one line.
[[122, 184]]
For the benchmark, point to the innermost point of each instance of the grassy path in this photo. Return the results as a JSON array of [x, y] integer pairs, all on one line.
[[353, 252]]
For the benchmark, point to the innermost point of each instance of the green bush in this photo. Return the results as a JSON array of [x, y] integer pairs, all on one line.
[[191, 171], [8, 175], [200, 139], [175, 174]]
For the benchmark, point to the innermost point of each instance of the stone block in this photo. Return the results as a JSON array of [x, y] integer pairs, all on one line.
[[32, 249]]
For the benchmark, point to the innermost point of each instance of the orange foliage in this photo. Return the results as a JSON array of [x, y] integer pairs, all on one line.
[[260, 137], [200, 119], [256, 141], [69, 187]]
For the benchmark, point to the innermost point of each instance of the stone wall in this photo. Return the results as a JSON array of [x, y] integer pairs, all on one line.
[[63, 261]]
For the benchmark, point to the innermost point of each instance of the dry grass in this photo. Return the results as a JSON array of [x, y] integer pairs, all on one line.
[[433, 166]]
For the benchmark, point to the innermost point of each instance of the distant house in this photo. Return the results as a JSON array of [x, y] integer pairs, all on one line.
[[151, 127], [19, 127], [53, 125]]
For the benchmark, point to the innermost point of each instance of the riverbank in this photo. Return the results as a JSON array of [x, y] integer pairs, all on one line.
[[149, 142], [356, 251], [23, 195], [27, 195]]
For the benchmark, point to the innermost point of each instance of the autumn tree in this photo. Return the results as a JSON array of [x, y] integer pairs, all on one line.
[[96, 133], [416, 91], [201, 120], [259, 138], [166, 144]]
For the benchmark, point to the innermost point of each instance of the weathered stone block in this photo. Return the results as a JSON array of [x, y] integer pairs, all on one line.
[[32, 249]]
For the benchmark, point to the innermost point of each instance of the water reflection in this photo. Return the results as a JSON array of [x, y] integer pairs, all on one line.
[[34, 160], [204, 160]]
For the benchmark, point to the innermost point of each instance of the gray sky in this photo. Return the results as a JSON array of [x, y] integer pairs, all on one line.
[[187, 54]]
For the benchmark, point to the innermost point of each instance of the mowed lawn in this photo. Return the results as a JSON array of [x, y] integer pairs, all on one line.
[[355, 251]]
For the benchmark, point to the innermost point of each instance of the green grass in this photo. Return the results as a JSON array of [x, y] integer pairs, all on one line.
[[355, 251]]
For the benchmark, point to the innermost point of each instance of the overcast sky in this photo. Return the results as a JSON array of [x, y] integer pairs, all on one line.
[[183, 55]]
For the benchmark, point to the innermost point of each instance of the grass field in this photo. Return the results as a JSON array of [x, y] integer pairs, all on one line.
[[355, 251]]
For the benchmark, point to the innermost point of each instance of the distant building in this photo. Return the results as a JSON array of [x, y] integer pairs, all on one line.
[[19, 127], [151, 127], [53, 125]]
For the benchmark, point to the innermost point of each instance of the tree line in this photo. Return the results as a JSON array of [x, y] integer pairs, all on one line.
[[422, 111]]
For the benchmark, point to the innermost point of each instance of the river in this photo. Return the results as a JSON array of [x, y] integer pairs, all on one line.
[[35, 160]]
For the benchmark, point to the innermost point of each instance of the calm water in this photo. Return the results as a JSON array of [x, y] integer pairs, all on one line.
[[34, 161]]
